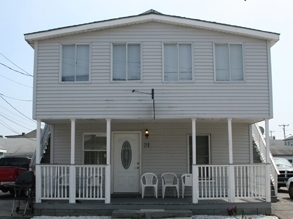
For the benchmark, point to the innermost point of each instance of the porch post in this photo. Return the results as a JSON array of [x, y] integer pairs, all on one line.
[[231, 167], [195, 194], [38, 167], [268, 162], [72, 172], [108, 166]]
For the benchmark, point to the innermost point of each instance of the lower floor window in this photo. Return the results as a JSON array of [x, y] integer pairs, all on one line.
[[202, 154], [95, 151]]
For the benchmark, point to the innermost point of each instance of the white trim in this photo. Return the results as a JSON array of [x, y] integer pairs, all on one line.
[[230, 141], [52, 130], [178, 63], [126, 49], [35, 78], [270, 81], [72, 142], [98, 134], [61, 62], [272, 37], [112, 148], [243, 62]]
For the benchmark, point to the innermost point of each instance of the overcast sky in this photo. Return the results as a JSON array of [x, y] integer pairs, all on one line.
[[18, 17]]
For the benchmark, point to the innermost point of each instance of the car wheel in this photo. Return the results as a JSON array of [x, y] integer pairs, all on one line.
[[290, 190]]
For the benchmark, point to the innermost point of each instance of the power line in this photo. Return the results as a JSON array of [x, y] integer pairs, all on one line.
[[13, 121], [13, 98], [15, 81], [13, 63], [15, 108], [26, 74]]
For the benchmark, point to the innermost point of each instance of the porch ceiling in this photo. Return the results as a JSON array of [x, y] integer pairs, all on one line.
[[156, 121]]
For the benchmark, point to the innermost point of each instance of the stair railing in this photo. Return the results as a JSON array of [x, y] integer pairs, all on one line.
[[260, 144], [45, 136]]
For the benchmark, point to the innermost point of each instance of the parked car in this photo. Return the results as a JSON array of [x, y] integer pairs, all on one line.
[[290, 187], [10, 169], [286, 170]]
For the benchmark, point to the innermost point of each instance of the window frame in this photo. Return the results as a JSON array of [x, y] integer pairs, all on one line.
[[112, 61], [243, 62], [98, 134], [188, 149], [61, 62], [178, 58]]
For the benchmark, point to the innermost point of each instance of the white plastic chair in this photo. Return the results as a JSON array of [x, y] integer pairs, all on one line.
[[94, 185], [149, 180], [170, 180], [186, 181]]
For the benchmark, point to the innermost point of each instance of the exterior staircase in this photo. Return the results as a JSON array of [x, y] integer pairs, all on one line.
[[45, 151], [259, 156]]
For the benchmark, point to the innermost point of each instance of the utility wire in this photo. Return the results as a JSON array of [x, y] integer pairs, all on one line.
[[26, 74], [14, 63], [15, 108], [13, 121], [15, 81], [13, 98]]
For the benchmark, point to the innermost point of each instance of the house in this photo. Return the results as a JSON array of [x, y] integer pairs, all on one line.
[[278, 149], [288, 141], [23, 145], [152, 93]]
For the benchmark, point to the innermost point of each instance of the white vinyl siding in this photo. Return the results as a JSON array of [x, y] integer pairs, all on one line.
[[177, 62], [126, 62], [229, 62], [200, 98], [75, 63]]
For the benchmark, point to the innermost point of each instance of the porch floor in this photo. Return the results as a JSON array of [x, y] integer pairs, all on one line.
[[135, 203]]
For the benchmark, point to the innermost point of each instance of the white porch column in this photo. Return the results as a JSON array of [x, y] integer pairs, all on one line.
[[108, 166], [72, 172], [268, 162], [38, 167], [231, 167], [195, 194]]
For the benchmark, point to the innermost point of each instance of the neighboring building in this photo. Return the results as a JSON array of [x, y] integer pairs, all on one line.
[[278, 149], [23, 145], [288, 141], [197, 87]]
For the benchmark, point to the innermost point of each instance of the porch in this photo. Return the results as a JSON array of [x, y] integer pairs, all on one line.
[[229, 183], [78, 187], [134, 206]]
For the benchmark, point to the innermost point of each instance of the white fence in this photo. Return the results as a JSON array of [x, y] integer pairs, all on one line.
[[214, 182], [89, 183], [222, 182]]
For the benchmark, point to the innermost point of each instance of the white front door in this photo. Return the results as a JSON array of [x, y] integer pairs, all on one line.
[[126, 162]]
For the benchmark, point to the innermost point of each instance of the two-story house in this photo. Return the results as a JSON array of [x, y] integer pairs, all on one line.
[[152, 93]]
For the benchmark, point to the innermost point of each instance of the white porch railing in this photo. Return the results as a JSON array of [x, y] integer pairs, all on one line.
[[261, 148], [89, 184], [249, 182], [214, 182]]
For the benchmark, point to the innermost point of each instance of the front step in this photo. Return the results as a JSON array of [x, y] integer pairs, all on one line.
[[152, 213]]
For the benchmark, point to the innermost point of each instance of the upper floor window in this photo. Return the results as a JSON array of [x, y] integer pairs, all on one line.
[[229, 62], [177, 62], [75, 62], [126, 62], [94, 148]]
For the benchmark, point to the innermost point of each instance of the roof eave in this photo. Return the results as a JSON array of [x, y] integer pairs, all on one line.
[[31, 37]]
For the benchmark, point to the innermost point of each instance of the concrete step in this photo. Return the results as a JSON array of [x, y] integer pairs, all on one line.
[[152, 213]]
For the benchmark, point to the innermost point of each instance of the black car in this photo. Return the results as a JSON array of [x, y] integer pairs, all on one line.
[[286, 170]]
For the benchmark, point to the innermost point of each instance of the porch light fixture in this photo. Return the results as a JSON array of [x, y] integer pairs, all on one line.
[[146, 133]]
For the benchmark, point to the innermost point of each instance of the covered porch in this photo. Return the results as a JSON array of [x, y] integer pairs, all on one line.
[[227, 183]]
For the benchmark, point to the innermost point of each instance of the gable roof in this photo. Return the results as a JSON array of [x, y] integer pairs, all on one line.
[[149, 16]]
